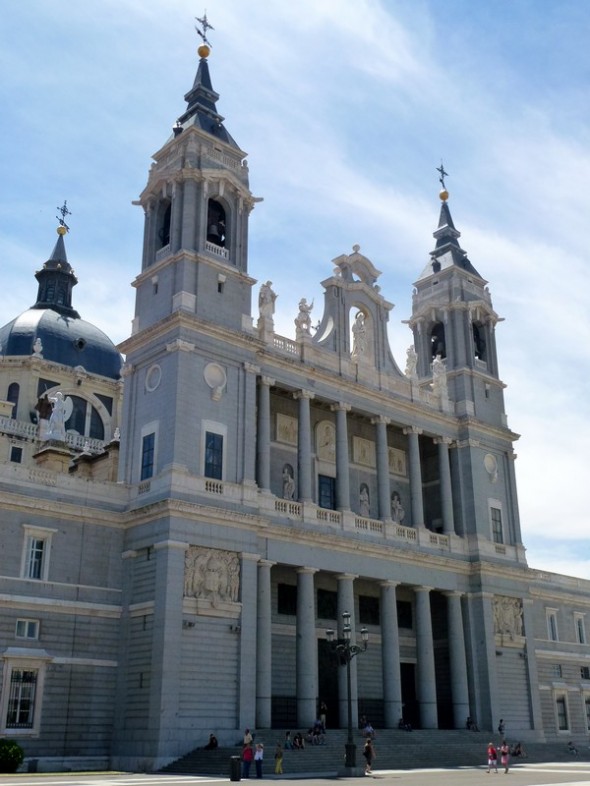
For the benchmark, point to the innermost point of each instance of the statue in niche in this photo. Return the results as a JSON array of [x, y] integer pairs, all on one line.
[[266, 301], [303, 319], [364, 501], [359, 336], [411, 362], [37, 348], [288, 482], [211, 574], [508, 616], [397, 509]]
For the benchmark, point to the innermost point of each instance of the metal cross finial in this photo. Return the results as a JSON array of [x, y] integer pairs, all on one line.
[[206, 26], [443, 174], [64, 212]]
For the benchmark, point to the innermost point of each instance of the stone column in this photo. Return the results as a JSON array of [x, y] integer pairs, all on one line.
[[392, 684], [458, 661], [264, 647], [250, 443], [304, 445], [342, 462], [345, 602], [263, 433], [176, 218], [247, 667], [446, 491], [167, 641], [513, 514], [415, 476], [189, 215], [426, 675], [383, 484], [307, 649]]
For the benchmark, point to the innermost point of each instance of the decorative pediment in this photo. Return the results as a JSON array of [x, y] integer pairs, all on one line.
[[356, 267]]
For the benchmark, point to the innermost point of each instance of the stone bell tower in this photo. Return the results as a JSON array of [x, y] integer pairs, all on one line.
[[453, 322], [197, 204], [193, 297]]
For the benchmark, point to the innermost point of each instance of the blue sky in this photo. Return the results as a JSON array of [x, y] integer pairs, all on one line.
[[346, 108]]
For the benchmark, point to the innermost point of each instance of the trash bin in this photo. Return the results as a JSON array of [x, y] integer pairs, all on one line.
[[235, 768]]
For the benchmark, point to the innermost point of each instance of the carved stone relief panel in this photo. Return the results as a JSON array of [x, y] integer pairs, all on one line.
[[326, 441], [286, 429], [508, 617], [397, 461], [363, 452], [211, 574]]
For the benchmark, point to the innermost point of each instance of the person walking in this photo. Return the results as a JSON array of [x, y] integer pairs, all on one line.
[[370, 755], [258, 757], [505, 756], [492, 758], [279, 759]]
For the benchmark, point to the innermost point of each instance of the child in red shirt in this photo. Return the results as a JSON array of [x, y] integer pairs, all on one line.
[[492, 757]]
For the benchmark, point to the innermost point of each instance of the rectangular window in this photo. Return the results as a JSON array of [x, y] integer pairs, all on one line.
[[213, 455], [368, 610], [327, 492], [561, 710], [552, 625], [587, 708], [27, 629], [148, 444], [557, 671], [585, 672], [287, 599], [21, 699], [327, 604], [497, 533], [16, 454], [36, 551], [580, 628]]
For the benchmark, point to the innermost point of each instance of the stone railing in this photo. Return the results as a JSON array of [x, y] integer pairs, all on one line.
[[217, 251], [368, 525], [163, 252], [405, 533], [285, 345], [435, 539], [20, 428], [286, 507], [329, 516]]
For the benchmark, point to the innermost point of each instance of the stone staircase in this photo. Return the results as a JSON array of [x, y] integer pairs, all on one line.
[[396, 750]]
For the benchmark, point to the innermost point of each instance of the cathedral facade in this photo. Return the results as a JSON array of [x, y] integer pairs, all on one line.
[[180, 530]]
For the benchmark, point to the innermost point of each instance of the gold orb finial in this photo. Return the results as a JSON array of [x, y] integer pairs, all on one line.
[[61, 230], [203, 50], [443, 194]]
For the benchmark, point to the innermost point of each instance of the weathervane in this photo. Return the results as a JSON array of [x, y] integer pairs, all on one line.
[[443, 174], [64, 212], [206, 26]]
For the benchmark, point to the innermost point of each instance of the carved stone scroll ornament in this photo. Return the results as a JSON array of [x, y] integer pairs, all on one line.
[[211, 574]]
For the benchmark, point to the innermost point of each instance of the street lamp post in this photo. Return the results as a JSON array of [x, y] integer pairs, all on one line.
[[345, 650]]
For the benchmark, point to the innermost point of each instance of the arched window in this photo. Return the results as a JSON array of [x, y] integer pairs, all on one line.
[[13, 393], [85, 419], [216, 223], [479, 342], [164, 217], [437, 340]]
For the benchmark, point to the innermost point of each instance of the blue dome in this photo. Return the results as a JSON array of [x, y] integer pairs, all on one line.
[[68, 340]]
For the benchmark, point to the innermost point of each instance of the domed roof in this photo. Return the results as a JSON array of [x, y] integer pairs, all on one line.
[[70, 341], [55, 327]]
